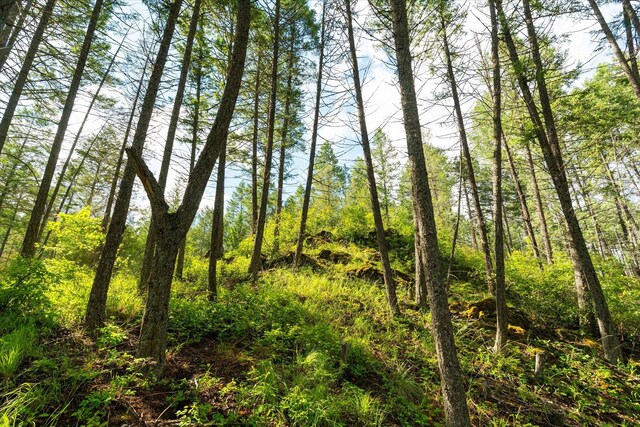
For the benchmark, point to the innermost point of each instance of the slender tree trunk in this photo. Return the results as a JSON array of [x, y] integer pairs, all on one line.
[[37, 214], [602, 243], [390, 285], [5, 50], [283, 141], [633, 61], [172, 228], [21, 79], [149, 249], [14, 214], [474, 238], [482, 226], [549, 143], [548, 249], [65, 166], [312, 150], [509, 241], [456, 228], [96, 307], [452, 384], [619, 54], [522, 199], [256, 262], [254, 150], [116, 176], [217, 226], [500, 291], [8, 179]]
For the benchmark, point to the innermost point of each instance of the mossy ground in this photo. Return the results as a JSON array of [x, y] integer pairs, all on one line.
[[314, 346]]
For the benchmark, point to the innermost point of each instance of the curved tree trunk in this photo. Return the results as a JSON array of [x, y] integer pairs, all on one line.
[[452, 384], [172, 228], [147, 261]]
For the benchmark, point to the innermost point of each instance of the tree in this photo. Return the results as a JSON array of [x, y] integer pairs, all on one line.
[[37, 214], [172, 227], [455, 402], [95, 314], [387, 169], [255, 265], [390, 285], [549, 143]]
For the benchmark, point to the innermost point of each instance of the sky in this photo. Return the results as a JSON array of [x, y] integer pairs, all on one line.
[[382, 101]]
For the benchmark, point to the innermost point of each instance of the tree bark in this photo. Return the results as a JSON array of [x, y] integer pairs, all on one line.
[[149, 249], [500, 291], [452, 385], [96, 307], [390, 285], [5, 11], [21, 79], [37, 214], [256, 255], [283, 140], [254, 150], [312, 150], [482, 226], [217, 226], [549, 143]]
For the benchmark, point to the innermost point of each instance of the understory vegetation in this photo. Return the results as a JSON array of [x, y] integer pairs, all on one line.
[[314, 346]]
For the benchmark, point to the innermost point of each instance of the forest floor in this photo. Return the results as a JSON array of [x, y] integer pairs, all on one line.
[[313, 347]]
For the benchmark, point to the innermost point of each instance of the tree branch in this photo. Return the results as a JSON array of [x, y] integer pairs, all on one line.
[[155, 193]]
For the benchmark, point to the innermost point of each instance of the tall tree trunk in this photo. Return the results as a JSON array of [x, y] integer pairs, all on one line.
[[619, 54], [522, 199], [149, 249], [549, 143], [37, 214], [6, 48], [578, 180], [474, 238], [283, 140], [21, 79], [217, 226], [254, 150], [482, 226], [452, 384], [116, 175], [496, 89], [390, 285], [96, 306], [65, 166], [172, 228], [548, 249], [633, 60], [314, 138], [256, 262]]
